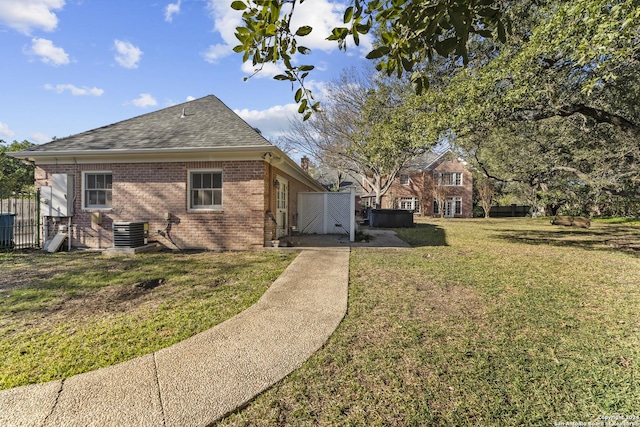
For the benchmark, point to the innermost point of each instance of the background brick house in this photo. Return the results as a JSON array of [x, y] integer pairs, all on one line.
[[433, 184], [196, 172]]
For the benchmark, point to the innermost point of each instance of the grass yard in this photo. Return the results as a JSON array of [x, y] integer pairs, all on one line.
[[66, 313], [508, 322]]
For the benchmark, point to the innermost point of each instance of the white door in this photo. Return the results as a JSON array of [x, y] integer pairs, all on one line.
[[449, 208], [282, 207]]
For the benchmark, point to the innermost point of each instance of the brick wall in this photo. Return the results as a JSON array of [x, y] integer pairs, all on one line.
[[421, 186], [295, 187], [147, 191]]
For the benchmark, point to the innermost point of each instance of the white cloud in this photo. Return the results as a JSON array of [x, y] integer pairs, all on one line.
[[215, 52], [321, 15], [190, 98], [127, 54], [268, 70], [170, 10], [318, 89], [39, 138], [144, 100], [25, 15], [225, 21], [272, 122], [74, 90], [48, 52], [5, 131]]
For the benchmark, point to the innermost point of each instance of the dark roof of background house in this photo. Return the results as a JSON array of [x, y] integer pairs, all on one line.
[[425, 160], [207, 123]]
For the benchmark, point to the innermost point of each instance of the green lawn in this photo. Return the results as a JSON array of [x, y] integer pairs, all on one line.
[[66, 313], [483, 323]]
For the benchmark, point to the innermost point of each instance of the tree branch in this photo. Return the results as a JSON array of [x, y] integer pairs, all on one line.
[[599, 115]]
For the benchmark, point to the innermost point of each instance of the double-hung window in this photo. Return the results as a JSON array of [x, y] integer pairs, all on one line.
[[448, 178], [404, 179], [205, 189], [97, 190]]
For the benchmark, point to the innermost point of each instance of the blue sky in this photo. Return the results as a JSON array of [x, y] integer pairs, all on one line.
[[73, 65]]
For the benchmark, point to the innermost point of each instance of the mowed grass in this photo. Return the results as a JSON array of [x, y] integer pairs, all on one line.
[[66, 313], [508, 322]]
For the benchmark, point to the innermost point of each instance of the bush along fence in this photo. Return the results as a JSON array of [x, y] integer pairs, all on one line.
[[20, 221]]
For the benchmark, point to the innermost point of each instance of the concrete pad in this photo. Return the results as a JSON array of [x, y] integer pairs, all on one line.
[[29, 405], [120, 395], [314, 281]]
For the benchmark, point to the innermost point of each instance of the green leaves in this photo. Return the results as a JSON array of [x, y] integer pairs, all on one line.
[[410, 33], [378, 52], [238, 5], [304, 30]]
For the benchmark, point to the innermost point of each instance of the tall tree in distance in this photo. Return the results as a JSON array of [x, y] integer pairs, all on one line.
[[366, 129], [15, 176], [556, 107]]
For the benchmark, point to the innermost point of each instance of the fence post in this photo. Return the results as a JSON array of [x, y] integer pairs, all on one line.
[[37, 242]]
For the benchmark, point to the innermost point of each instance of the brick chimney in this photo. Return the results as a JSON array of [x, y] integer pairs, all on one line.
[[304, 164]]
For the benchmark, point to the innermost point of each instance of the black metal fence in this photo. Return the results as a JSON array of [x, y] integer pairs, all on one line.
[[20, 221]]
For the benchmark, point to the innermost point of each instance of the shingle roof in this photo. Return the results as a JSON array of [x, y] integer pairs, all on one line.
[[425, 160], [207, 123]]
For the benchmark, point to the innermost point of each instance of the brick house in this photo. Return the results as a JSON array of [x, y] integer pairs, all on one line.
[[433, 184], [196, 172]]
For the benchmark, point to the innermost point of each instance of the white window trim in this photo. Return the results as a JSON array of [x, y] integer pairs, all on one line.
[[453, 200], [455, 204], [84, 188], [204, 209], [408, 179], [413, 203], [438, 178]]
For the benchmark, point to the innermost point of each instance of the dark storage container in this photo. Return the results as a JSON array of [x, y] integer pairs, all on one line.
[[391, 218], [7, 220]]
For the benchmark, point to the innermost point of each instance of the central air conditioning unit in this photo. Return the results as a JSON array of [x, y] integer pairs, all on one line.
[[130, 234]]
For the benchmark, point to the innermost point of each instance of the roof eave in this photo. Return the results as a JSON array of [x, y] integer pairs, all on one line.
[[255, 152], [138, 155]]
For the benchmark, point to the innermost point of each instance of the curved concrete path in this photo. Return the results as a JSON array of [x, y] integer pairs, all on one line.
[[203, 378]]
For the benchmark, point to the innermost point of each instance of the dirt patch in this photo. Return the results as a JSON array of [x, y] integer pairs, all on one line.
[[150, 283], [20, 278], [435, 302], [110, 300]]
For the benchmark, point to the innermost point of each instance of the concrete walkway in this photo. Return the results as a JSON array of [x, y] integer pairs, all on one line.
[[203, 378]]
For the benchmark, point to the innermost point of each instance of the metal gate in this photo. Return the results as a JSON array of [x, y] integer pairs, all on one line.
[[327, 213], [20, 221]]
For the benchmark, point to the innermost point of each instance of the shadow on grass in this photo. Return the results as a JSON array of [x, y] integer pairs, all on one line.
[[604, 238], [423, 235]]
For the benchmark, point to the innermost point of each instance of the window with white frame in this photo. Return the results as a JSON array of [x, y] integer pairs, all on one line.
[[451, 206], [409, 204], [404, 179], [448, 178], [97, 190], [205, 189], [458, 205]]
